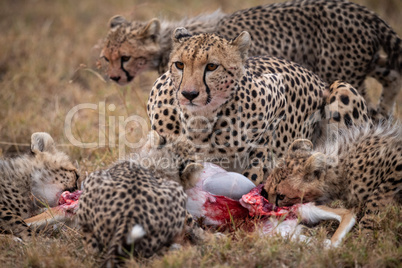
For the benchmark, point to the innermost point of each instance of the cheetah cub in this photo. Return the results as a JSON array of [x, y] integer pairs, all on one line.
[[363, 169], [31, 181], [138, 206]]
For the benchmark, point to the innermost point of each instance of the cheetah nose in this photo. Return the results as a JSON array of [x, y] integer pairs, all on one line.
[[115, 78], [190, 95]]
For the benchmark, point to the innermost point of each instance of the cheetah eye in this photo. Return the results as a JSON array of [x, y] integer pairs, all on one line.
[[211, 67], [280, 197], [179, 65], [125, 58], [106, 59]]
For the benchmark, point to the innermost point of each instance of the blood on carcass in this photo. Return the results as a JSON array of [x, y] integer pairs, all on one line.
[[222, 209], [257, 205], [68, 202], [64, 212], [206, 202], [66, 197], [226, 214]]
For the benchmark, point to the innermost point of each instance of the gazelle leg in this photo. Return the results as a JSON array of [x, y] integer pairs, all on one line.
[[346, 222], [313, 214]]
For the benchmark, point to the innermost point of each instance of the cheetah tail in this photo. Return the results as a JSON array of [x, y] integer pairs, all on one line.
[[136, 233]]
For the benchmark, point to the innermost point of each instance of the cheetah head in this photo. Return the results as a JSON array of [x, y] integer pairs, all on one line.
[[130, 48], [206, 68], [299, 177], [54, 174], [174, 158]]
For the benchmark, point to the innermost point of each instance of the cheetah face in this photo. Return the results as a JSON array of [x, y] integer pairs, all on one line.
[[55, 173], [205, 69], [47, 185], [281, 191], [130, 48], [298, 178]]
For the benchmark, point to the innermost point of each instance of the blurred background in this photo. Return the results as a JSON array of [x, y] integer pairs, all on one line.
[[48, 53]]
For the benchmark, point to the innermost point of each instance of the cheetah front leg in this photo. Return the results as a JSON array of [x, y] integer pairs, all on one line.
[[194, 232], [260, 162], [162, 108], [391, 80], [12, 223], [380, 198], [346, 107]]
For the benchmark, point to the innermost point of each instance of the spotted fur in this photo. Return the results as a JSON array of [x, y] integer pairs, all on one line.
[[232, 107], [138, 205], [362, 167], [336, 39], [132, 47], [30, 182]]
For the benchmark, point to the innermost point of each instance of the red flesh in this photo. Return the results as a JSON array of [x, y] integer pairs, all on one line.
[[69, 201], [222, 209], [259, 206]]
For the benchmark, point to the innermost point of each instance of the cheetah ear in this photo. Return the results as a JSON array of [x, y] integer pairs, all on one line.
[[242, 42], [180, 34], [42, 142], [189, 176], [151, 30], [315, 166], [301, 144], [116, 21]]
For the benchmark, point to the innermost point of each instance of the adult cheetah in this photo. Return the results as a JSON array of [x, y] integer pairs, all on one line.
[[232, 108], [336, 39], [363, 167], [31, 181]]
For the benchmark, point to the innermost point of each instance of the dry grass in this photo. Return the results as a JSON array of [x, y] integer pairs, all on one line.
[[237, 249], [47, 66]]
